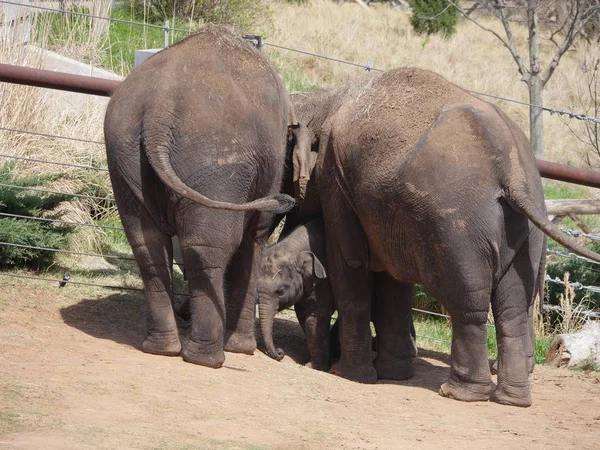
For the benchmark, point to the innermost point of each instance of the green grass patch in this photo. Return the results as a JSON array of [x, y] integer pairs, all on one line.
[[115, 240], [9, 421], [436, 334], [541, 348], [124, 39], [432, 333], [556, 190]]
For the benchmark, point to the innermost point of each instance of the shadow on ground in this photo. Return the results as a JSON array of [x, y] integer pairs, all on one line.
[[120, 318], [288, 336]]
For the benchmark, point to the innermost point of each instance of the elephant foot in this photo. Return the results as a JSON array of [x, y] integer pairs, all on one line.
[[512, 396], [165, 344], [317, 366], [466, 392], [364, 373], [394, 369], [236, 342], [193, 354]]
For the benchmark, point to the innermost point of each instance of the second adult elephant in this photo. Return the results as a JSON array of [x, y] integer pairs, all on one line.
[[195, 140], [420, 182]]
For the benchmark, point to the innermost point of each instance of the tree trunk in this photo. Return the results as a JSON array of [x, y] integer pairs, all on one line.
[[581, 349], [535, 83], [536, 117], [564, 207]]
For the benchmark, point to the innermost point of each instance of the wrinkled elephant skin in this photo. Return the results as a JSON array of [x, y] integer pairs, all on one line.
[[196, 140], [292, 273], [420, 182]]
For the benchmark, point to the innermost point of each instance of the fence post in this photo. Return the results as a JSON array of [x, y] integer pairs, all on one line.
[[166, 33], [254, 39]]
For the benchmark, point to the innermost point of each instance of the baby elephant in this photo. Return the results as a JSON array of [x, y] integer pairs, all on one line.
[[293, 273]]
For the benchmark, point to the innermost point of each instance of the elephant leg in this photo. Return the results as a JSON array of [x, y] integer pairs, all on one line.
[[153, 252], [347, 256], [241, 280], [512, 305], [317, 327], [470, 377], [392, 316], [300, 310], [206, 259]]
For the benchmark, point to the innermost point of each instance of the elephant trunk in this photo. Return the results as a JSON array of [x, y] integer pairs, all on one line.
[[267, 316]]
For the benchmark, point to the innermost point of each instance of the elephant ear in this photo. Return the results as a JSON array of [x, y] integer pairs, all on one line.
[[303, 158], [309, 264]]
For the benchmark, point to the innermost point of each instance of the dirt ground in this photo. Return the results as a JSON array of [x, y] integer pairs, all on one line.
[[72, 376]]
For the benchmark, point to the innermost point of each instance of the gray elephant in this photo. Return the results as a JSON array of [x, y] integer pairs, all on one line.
[[293, 272], [420, 182], [195, 141]]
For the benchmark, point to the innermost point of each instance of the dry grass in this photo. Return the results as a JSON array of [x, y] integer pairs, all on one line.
[[473, 58], [42, 111], [572, 318], [77, 37]]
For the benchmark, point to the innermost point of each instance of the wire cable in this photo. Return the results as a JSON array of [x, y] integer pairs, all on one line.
[[81, 283], [44, 219], [47, 191], [79, 166], [92, 16], [51, 136]]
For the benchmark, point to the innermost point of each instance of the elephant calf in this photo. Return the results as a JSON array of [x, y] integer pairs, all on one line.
[[293, 273]]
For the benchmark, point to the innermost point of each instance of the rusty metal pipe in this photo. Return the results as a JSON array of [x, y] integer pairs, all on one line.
[[57, 80], [103, 87], [562, 172]]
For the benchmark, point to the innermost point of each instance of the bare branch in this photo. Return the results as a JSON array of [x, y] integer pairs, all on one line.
[[576, 24], [561, 28], [511, 41], [509, 44]]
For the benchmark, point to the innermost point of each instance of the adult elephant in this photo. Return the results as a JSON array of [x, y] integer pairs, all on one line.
[[195, 141], [420, 182]]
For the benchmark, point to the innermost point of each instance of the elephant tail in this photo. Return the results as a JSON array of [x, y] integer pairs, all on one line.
[[540, 220], [161, 163]]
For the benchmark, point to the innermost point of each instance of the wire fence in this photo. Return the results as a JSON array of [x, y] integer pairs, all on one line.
[[167, 29], [368, 67]]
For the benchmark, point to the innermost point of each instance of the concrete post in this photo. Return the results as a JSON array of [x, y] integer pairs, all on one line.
[[15, 23]]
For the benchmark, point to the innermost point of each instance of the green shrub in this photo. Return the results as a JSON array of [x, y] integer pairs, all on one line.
[[581, 271], [433, 17], [24, 231]]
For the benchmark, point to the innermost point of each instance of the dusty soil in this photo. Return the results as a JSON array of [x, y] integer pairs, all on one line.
[[72, 376]]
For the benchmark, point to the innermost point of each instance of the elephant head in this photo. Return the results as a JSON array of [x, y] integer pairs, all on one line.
[[286, 278]]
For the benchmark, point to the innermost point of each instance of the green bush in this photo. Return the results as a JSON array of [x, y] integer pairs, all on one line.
[[580, 271], [584, 272], [433, 17], [28, 232]]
